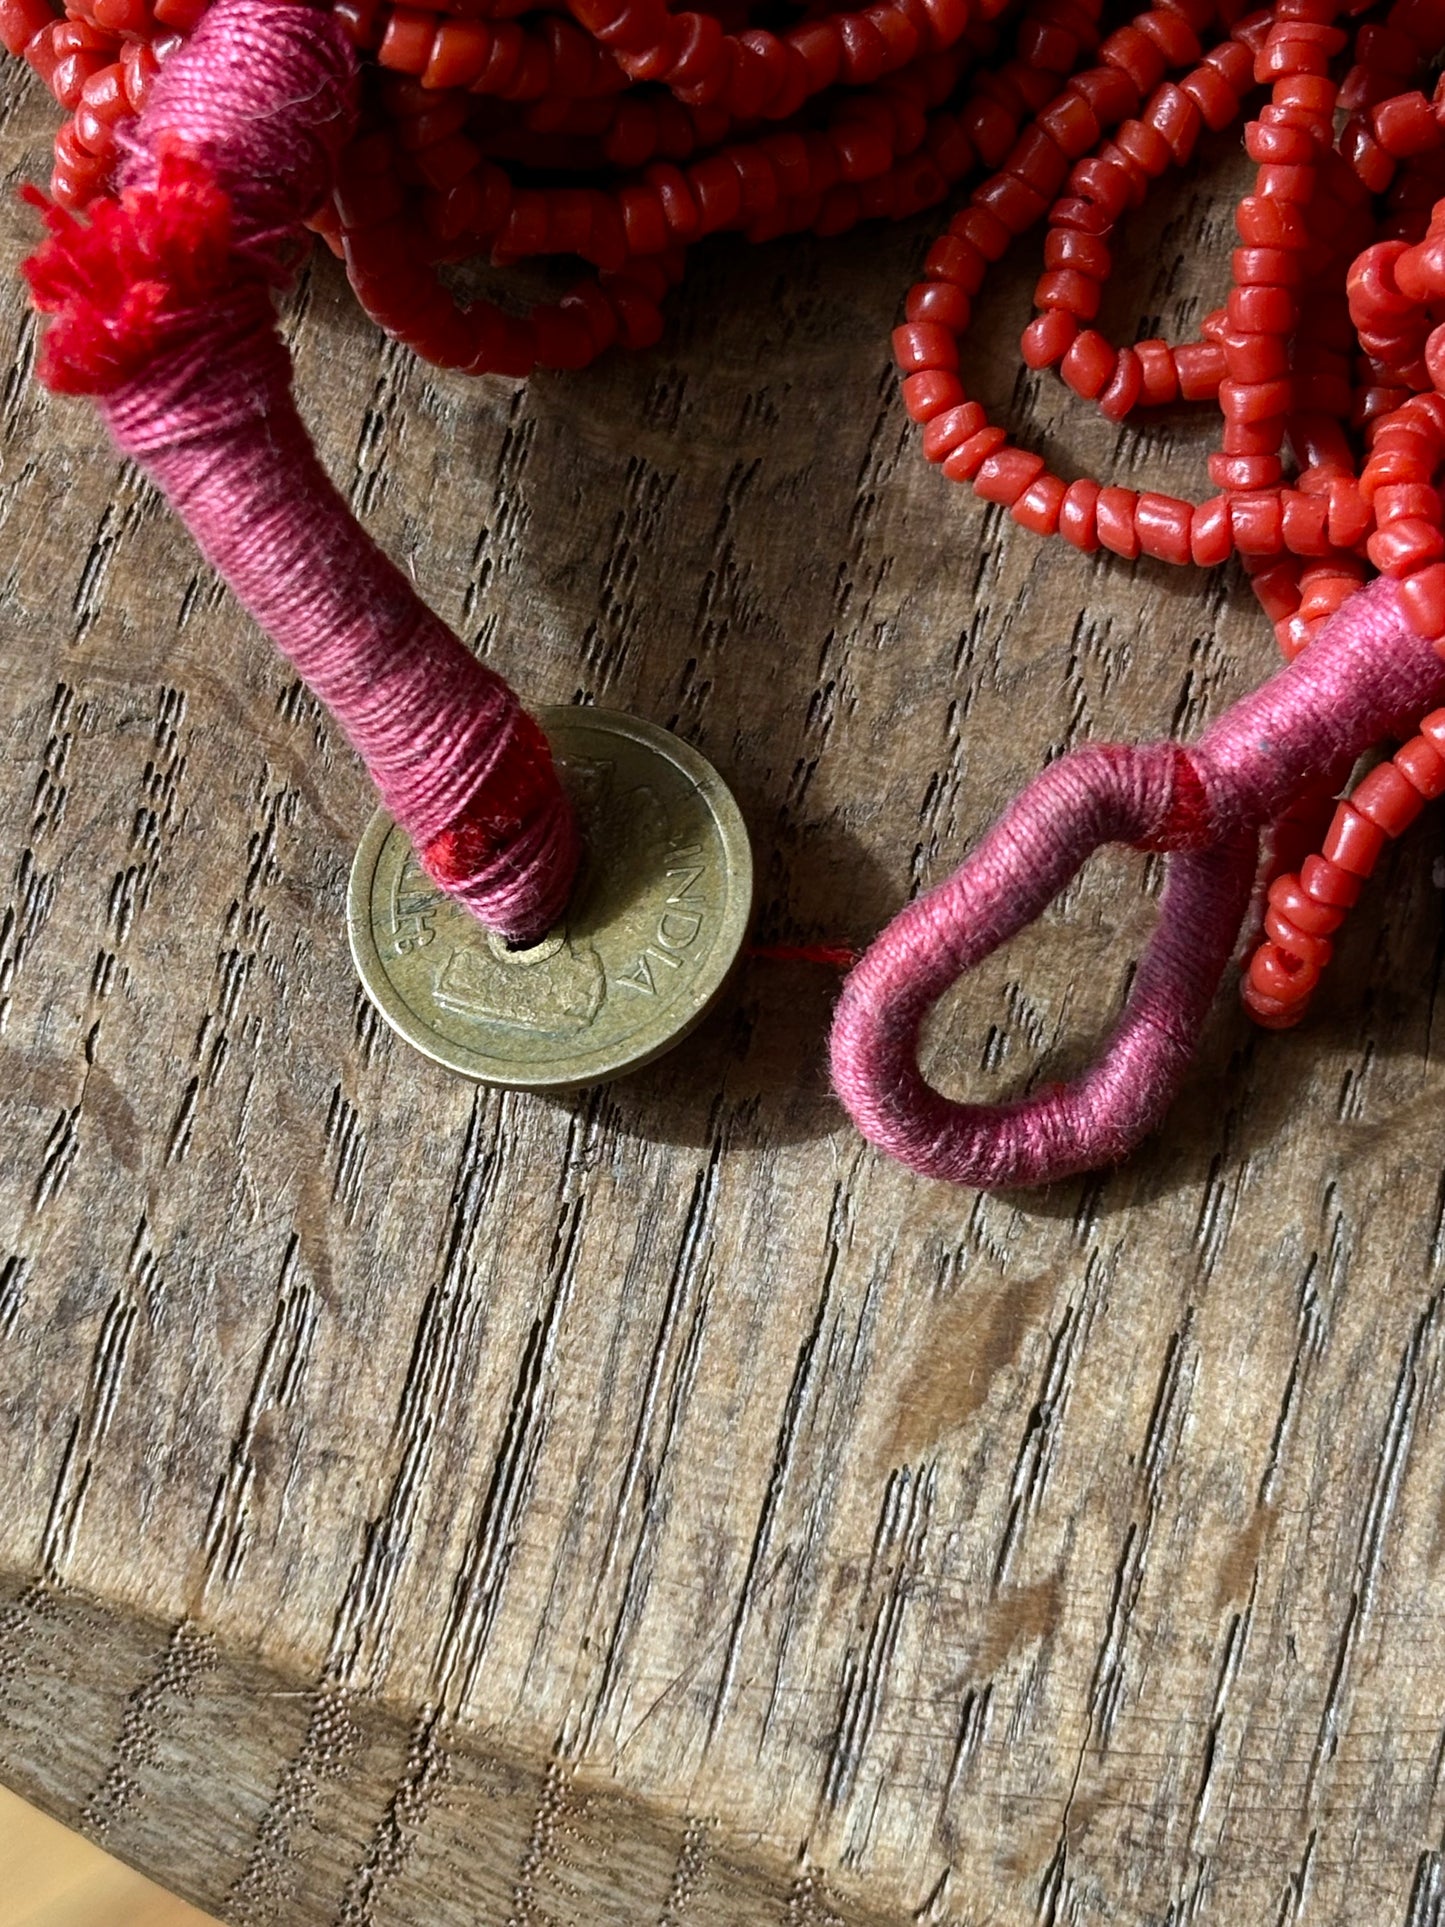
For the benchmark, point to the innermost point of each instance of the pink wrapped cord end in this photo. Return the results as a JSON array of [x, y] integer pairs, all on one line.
[[162, 310], [1366, 675]]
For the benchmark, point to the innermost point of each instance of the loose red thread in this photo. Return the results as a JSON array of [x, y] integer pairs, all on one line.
[[831, 956]]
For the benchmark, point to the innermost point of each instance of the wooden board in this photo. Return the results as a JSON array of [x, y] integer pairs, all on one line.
[[424, 1505]]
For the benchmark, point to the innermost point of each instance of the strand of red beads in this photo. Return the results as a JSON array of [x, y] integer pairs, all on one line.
[[618, 133], [1332, 326]]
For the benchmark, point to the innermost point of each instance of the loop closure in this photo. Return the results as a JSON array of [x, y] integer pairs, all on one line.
[[1109, 794], [1365, 675]]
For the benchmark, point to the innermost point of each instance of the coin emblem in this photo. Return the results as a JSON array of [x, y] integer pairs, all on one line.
[[655, 924]]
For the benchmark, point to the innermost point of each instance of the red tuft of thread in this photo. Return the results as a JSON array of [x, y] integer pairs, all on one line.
[[135, 270]]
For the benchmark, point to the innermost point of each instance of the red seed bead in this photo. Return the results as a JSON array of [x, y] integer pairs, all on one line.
[[1200, 368], [1037, 509], [1252, 359], [1305, 524], [1171, 33], [1289, 897], [1005, 474], [1123, 393], [1128, 50], [1162, 526], [1294, 635], [1399, 501], [951, 259], [1244, 473], [940, 301], [1012, 201], [1296, 944], [1271, 1013], [1388, 799], [1078, 517], [1071, 122], [1161, 381], [1068, 248], [1145, 146], [1389, 465], [930, 392], [1254, 401], [1405, 545], [1423, 765], [1350, 518], [1212, 95], [1257, 522], [719, 194], [1326, 882], [1070, 290], [1266, 268], [1280, 145], [1320, 444], [1405, 125], [1089, 365], [1277, 590], [1422, 597], [1274, 975], [1048, 339], [1269, 220], [1311, 93], [1262, 310], [21, 21], [969, 457], [1109, 183], [1114, 517], [1109, 91], [1038, 161], [1354, 843], [1420, 271], [982, 230], [1177, 119], [406, 44], [1211, 535], [924, 344], [460, 50], [951, 429]]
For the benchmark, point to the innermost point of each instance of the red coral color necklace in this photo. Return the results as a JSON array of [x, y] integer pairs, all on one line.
[[202, 138]]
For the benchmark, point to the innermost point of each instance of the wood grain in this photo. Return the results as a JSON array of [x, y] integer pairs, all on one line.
[[433, 1505]]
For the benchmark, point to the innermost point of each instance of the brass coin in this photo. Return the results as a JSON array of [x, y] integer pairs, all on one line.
[[654, 927]]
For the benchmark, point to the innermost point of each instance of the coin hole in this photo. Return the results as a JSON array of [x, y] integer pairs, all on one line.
[[540, 952]]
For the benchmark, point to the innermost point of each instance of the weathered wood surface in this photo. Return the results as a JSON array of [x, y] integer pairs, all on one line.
[[430, 1506]]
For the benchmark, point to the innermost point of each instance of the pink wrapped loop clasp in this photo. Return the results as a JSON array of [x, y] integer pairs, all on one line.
[[1095, 796], [1366, 676]]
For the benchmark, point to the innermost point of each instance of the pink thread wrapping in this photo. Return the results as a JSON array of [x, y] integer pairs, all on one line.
[[259, 101], [1367, 675]]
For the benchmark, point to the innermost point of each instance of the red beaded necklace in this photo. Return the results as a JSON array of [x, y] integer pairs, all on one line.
[[619, 133], [1328, 329]]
